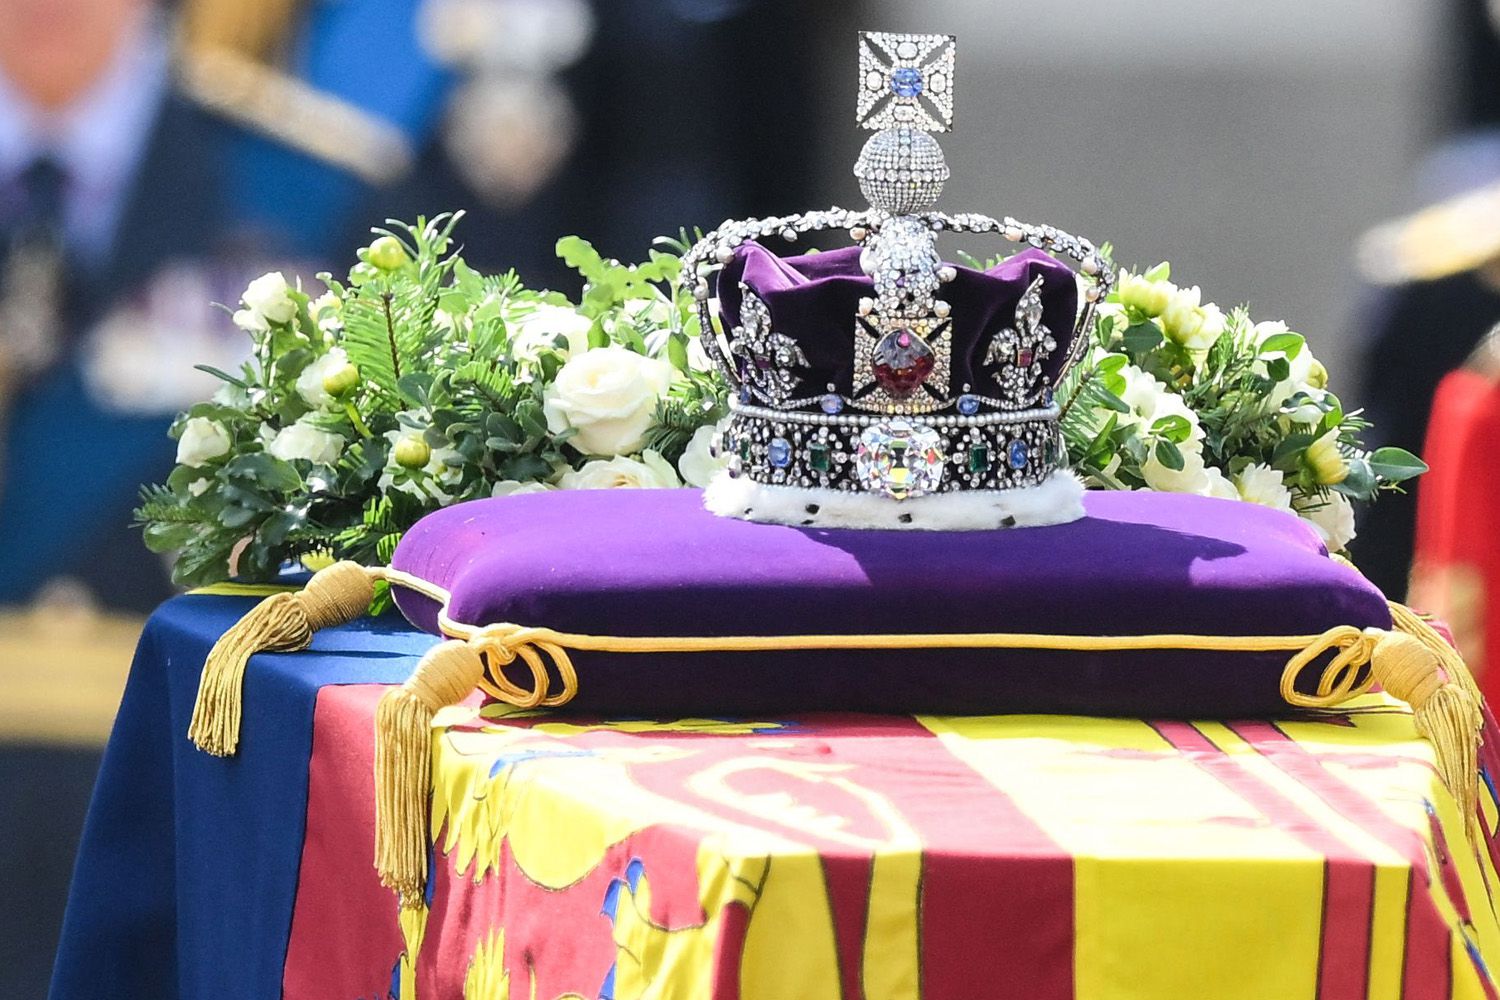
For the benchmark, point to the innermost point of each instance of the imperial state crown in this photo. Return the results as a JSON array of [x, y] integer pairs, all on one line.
[[877, 385]]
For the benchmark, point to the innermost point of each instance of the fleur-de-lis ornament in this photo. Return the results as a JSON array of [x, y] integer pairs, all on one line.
[[765, 358], [1020, 349]]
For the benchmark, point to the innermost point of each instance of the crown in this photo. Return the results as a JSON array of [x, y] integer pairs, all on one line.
[[877, 385]]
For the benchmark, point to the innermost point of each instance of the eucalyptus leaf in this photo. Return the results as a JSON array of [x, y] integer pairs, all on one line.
[[1107, 399], [266, 471], [1141, 338], [1175, 428], [1287, 454], [1396, 465], [677, 352], [1360, 483], [1169, 455], [1289, 344]]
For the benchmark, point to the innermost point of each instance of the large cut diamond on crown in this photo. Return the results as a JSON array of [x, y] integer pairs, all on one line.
[[883, 369]]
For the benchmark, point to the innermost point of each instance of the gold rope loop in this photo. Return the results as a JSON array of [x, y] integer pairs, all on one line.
[[1341, 678], [503, 644]]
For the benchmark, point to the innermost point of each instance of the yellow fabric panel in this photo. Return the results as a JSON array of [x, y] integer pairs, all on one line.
[[1172, 887], [790, 951], [566, 813], [1112, 788], [1155, 928], [1403, 791], [893, 938], [1388, 932]]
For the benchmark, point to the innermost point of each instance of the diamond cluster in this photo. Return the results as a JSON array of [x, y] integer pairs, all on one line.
[[899, 457], [905, 80]]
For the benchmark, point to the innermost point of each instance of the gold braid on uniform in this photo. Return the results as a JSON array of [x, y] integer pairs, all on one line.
[[227, 56]]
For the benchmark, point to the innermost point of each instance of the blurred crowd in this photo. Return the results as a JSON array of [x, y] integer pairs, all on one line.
[[156, 155]]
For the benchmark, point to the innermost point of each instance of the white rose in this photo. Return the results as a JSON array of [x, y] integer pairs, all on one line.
[[202, 440], [1190, 325], [1305, 371], [514, 488], [1150, 400], [250, 321], [1333, 516], [539, 329], [310, 382], [327, 312], [1193, 477], [609, 396], [656, 311], [1141, 393], [1263, 485], [198, 487], [697, 465], [649, 473], [1220, 486], [1144, 295], [303, 440], [230, 394], [1307, 411], [267, 296]]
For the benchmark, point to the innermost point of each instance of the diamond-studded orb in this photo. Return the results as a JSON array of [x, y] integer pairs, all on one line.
[[900, 458], [902, 170]]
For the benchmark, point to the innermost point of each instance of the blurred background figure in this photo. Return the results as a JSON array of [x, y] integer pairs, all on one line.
[[157, 156], [1436, 296], [1433, 371], [1436, 275]]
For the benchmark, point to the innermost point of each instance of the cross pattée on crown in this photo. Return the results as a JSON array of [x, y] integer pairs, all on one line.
[[906, 80]]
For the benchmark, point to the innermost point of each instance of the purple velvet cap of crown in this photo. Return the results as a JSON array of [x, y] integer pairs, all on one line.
[[654, 562], [814, 300]]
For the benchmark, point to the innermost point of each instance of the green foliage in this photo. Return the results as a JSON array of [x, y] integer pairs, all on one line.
[[1174, 394], [412, 344]]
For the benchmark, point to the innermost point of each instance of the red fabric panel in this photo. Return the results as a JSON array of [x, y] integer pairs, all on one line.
[[337, 886]]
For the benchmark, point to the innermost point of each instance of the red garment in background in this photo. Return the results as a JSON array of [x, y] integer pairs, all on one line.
[[1456, 569]]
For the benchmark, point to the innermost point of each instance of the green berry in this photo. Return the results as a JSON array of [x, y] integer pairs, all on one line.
[[412, 453], [387, 253], [341, 381]]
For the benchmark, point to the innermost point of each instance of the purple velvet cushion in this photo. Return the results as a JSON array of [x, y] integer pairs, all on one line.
[[654, 562]]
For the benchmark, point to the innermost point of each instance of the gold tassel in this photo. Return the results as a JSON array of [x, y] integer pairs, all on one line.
[[281, 623], [403, 762], [1444, 708]]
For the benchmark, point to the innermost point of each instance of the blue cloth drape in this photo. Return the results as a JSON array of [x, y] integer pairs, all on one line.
[[188, 867]]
